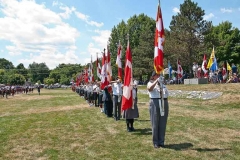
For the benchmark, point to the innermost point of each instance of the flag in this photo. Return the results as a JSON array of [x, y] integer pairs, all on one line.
[[86, 76], [169, 70], [204, 66], [109, 67], [104, 81], [212, 63], [159, 42], [179, 70], [90, 70], [127, 99], [119, 61], [98, 66], [224, 71], [229, 68]]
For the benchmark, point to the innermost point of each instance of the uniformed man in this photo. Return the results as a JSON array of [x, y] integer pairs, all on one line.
[[158, 120]]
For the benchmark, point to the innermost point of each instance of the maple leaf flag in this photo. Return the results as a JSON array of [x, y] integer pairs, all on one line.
[[127, 99], [109, 67], [104, 79], [98, 66], [179, 70], [118, 61], [204, 66], [159, 42]]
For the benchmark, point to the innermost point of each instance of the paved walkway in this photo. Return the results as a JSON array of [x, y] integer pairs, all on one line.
[[204, 95]]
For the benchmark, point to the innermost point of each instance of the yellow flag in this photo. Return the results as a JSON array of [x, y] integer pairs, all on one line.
[[211, 59], [228, 67]]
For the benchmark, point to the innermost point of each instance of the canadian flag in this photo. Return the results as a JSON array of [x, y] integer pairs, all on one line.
[[179, 70], [90, 70], [204, 66], [224, 71], [109, 67], [159, 42], [104, 80], [86, 76], [127, 99], [118, 61], [98, 66]]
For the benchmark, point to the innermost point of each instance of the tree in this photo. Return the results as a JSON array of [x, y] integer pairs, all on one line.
[[38, 71], [188, 29], [5, 64], [48, 81], [141, 35], [22, 70], [226, 41], [16, 79]]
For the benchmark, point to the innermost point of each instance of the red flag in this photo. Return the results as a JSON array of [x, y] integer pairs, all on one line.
[[104, 80], [90, 70], [127, 99], [86, 76], [204, 66], [224, 71], [119, 61], [159, 42], [98, 68], [109, 67], [179, 70]]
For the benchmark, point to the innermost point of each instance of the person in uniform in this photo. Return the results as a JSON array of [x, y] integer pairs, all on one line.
[[117, 98], [132, 112], [158, 121], [38, 88]]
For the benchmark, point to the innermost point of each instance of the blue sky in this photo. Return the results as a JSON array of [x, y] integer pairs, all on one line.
[[70, 31]]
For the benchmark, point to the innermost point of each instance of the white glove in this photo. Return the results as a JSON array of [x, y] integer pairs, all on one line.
[[161, 79]]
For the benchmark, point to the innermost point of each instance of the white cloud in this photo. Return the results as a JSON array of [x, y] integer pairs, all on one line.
[[176, 10], [224, 10], [41, 33], [85, 18], [52, 59], [208, 16]]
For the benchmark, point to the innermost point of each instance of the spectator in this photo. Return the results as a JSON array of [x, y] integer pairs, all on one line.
[[234, 68]]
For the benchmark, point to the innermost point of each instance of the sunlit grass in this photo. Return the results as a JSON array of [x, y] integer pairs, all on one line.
[[59, 124]]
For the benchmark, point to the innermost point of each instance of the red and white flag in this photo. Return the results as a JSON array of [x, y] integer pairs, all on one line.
[[119, 61], [159, 42], [90, 70], [104, 79], [98, 66], [127, 99], [86, 75], [179, 70], [204, 66], [224, 71], [109, 67]]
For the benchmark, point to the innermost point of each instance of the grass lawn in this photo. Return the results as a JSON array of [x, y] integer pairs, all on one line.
[[59, 124]]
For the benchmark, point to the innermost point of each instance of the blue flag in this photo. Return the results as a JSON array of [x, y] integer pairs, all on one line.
[[169, 70]]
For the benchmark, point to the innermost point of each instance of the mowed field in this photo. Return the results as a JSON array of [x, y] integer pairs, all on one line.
[[58, 124]]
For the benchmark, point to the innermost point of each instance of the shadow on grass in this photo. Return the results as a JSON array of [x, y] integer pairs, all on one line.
[[142, 120], [145, 131], [209, 149], [179, 147]]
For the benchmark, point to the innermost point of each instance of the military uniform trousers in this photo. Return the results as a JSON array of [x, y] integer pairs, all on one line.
[[158, 122]]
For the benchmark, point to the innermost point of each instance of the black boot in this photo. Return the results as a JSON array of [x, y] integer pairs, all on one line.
[[132, 128], [128, 128]]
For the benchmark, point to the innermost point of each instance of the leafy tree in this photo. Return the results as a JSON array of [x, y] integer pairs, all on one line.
[[141, 35], [16, 79], [188, 29], [226, 40], [5, 64], [48, 81], [38, 71]]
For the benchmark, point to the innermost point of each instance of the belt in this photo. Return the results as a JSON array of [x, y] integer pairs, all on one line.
[[159, 98]]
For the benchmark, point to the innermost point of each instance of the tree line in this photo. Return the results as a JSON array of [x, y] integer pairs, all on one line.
[[188, 37]]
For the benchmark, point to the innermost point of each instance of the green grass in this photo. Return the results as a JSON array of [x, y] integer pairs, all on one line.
[[59, 124]]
